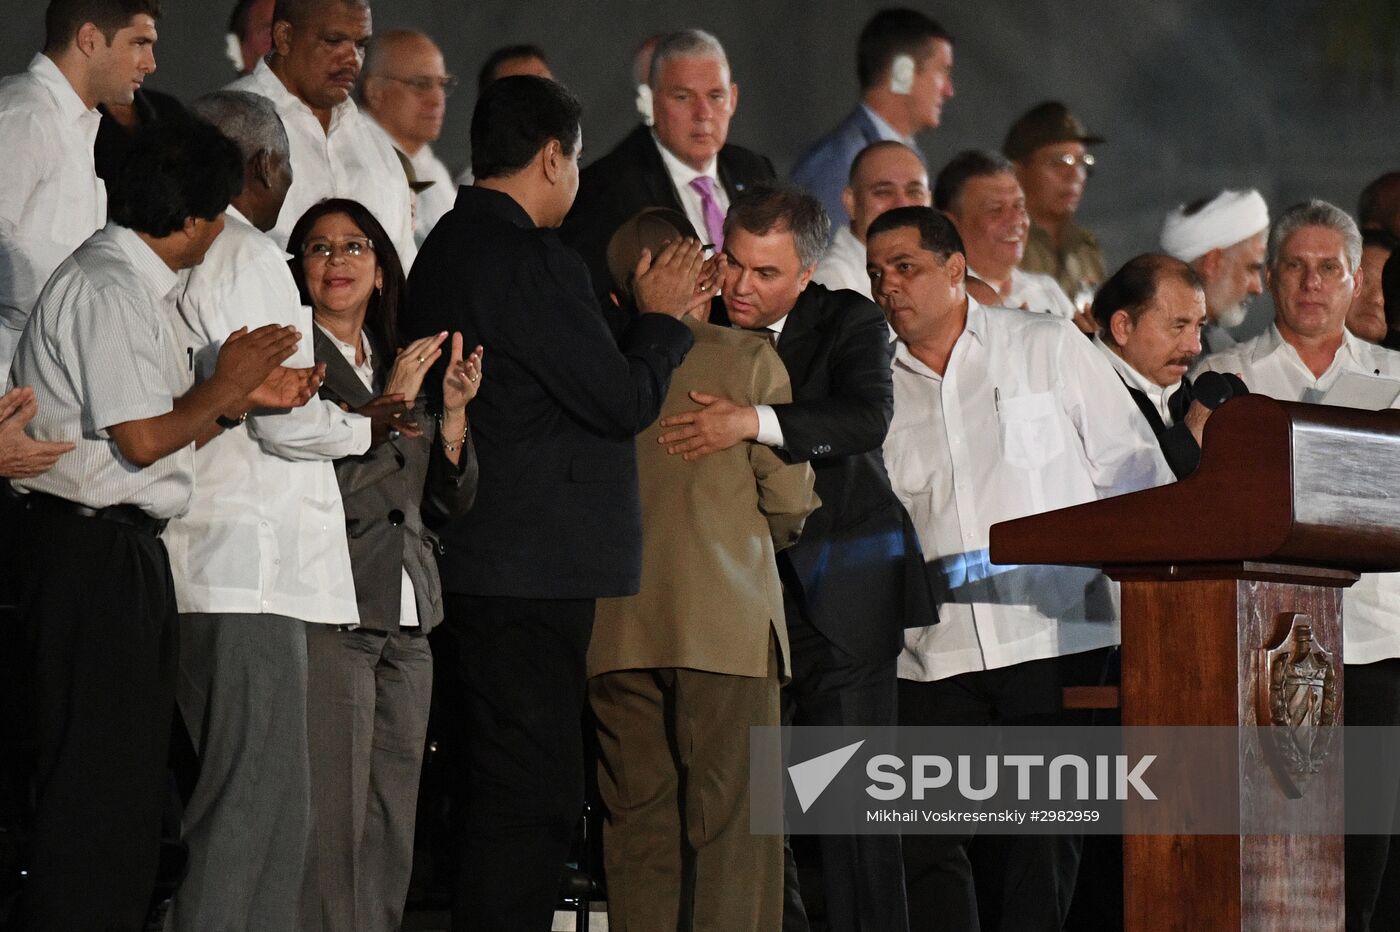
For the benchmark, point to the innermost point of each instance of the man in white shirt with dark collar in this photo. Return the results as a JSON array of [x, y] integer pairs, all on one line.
[[1222, 237], [884, 175], [979, 191], [904, 61], [405, 88], [260, 554], [337, 151], [684, 161], [95, 51], [997, 414], [1313, 273]]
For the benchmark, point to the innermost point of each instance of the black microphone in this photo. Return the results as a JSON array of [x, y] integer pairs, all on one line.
[[1213, 389]]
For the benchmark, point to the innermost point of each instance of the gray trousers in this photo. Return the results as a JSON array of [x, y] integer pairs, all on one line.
[[242, 692], [367, 715]]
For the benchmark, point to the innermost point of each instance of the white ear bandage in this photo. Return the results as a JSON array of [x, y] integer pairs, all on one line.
[[902, 74]]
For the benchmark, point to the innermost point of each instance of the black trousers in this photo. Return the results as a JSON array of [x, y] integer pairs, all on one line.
[[518, 679], [1373, 861], [98, 608], [862, 876], [1003, 882]]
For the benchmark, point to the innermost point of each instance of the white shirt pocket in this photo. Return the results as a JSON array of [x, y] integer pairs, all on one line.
[[1030, 434]]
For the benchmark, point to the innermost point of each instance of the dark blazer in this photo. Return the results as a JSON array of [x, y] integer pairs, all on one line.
[[393, 494], [632, 177], [858, 563], [557, 514], [825, 167]]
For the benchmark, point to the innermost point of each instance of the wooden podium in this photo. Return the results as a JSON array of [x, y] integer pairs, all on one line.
[[1231, 606]]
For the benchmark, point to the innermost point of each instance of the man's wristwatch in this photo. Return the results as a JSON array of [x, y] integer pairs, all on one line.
[[229, 423]]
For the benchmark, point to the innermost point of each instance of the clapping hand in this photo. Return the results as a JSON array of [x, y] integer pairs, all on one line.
[[412, 364], [463, 378]]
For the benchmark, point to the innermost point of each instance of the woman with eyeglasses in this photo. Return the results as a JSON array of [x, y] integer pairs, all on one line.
[[368, 687]]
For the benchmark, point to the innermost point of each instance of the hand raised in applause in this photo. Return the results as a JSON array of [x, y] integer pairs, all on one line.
[[250, 365], [389, 416], [412, 364], [463, 378], [21, 456]]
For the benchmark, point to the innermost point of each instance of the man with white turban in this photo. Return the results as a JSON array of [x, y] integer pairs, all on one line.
[[1223, 239]]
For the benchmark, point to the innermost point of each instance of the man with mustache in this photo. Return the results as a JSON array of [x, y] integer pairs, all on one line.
[[979, 192], [1222, 237], [318, 47], [1150, 315]]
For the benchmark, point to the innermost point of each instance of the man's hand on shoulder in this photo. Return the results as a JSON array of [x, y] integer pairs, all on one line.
[[717, 426]]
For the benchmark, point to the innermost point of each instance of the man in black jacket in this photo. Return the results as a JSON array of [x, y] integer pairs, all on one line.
[[557, 522], [855, 580], [684, 162]]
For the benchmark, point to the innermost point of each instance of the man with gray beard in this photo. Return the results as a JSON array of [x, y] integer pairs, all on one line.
[[1222, 238]]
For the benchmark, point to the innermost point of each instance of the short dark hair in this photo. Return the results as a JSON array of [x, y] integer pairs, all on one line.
[[1383, 239], [238, 17], [1390, 290], [936, 232], [769, 206], [382, 316], [890, 33], [1378, 201], [296, 11], [64, 18], [487, 74], [879, 146], [1133, 287], [176, 169], [515, 117], [973, 163]]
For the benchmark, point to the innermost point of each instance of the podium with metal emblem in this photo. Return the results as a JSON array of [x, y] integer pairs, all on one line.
[[1231, 584]]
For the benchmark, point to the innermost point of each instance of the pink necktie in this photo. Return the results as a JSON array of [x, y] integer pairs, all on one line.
[[709, 206]]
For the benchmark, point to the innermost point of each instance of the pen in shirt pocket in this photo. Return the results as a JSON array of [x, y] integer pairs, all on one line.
[[996, 399], [189, 354]]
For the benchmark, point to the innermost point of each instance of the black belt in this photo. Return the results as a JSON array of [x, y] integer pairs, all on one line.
[[130, 515]]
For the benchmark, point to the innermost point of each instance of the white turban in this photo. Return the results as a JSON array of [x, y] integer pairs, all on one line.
[[1231, 217]]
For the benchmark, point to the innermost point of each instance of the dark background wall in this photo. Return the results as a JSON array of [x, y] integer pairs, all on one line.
[[1298, 98]]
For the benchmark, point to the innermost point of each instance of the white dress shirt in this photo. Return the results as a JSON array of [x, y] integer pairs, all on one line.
[[353, 159], [1269, 365], [1158, 395], [1039, 293], [408, 602], [50, 196], [843, 265], [101, 349], [436, 201], [265, 530], [1028, 418], [681, 176]]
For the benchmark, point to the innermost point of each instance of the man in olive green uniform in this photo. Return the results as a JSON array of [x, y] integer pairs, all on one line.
[[1048, 145]]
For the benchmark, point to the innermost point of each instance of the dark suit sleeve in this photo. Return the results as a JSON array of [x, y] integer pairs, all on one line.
[[854, 414], [615, 391], [448, 490], [1180, 449]]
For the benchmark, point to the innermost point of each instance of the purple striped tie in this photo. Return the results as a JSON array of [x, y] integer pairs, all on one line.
[[709, 206]]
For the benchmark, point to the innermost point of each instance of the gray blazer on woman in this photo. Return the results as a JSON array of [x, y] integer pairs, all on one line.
[[393, 495]]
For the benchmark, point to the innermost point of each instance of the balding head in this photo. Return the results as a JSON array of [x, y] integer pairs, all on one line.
[[884, 175], [301, 12], [318, 49], [405, 87]]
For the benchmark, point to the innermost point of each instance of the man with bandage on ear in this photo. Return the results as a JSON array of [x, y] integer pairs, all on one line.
[[1222, 239]]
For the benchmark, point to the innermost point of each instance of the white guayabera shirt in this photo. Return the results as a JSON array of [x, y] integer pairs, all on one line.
[[1028, 417], [50, 196], [1269, 365]]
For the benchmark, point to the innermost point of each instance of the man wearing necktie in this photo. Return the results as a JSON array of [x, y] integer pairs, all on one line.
[[683, 162], [855, 580]]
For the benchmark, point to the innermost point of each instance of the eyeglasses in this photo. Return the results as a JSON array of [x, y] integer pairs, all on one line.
[[1070, 160], [325, 250], [424, 84]]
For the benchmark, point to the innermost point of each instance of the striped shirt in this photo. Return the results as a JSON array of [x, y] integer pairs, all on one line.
[[100, 349]]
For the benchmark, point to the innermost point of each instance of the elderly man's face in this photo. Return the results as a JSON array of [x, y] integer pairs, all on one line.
[[322, 55], [408, 95], [256, 40], [693, 102], [1166, 338], [889, 178], [764, 276], [1053, 178], [1366, 317], [1238, 277], [121, 65], [1312, 283], [990, 215], [913, 287]]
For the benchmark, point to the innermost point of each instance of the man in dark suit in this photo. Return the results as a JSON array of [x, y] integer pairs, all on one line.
[[1150, 314], [683, 162], [557, 522], [855, 580]]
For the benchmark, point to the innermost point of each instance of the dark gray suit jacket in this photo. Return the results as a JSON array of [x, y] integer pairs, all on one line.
[[393, 495]]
